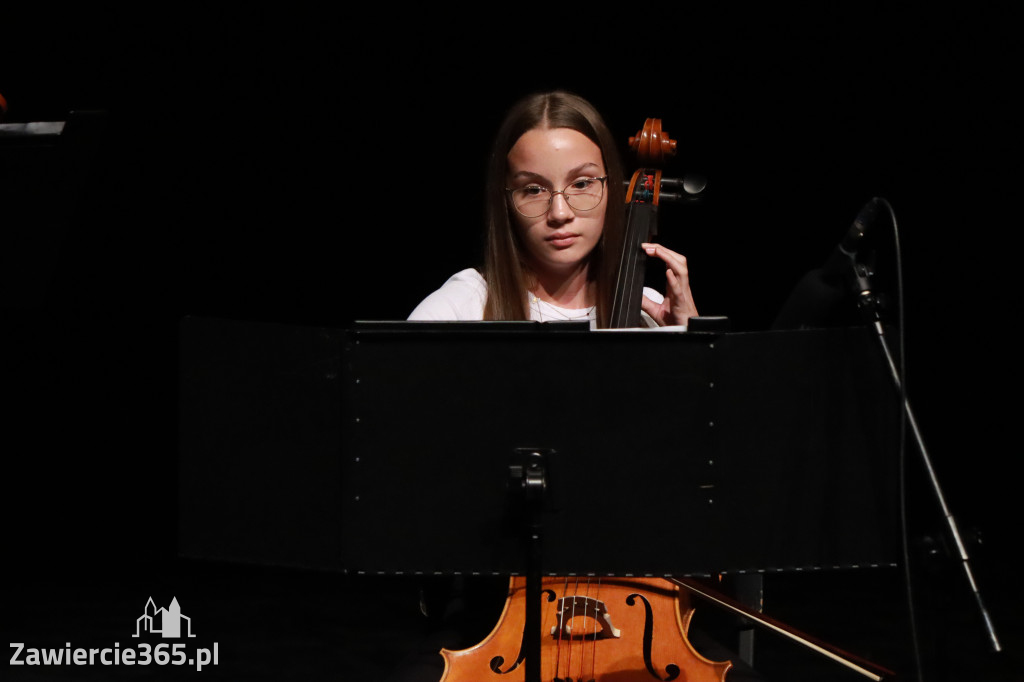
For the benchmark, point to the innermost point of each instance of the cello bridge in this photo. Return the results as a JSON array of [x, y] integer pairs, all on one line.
[[585, 608]]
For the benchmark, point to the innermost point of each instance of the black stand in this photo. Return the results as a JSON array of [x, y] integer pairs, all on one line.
[[47, 168], [528, 476], [774, 456], [965, 563], [792, 460], [814, 301]]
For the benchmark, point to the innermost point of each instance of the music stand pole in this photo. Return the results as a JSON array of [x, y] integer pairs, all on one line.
[[528, 477], [868, 304]]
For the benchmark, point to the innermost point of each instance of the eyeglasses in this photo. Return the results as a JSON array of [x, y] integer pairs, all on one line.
[[533, 201]]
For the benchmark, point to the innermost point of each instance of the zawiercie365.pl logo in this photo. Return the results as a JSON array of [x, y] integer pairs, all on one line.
[[169, 623]]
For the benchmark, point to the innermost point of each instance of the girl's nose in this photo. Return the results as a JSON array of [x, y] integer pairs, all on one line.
[[560, 210]]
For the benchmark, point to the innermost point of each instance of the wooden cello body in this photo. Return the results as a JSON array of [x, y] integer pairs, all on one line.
[[601, 629]]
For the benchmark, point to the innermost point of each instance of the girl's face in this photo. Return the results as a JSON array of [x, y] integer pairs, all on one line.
[[561, 239]]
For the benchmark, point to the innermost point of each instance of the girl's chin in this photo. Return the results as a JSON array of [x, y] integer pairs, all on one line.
[[567, 263]]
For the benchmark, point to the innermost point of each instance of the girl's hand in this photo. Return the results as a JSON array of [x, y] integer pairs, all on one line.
[[678, 306]]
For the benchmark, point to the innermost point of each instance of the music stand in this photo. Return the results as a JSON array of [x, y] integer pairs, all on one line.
[[647, 434], [529, 449], [46, 171]]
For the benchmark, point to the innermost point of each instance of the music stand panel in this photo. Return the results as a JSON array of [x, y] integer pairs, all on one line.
[[671, 453], [809, 448]]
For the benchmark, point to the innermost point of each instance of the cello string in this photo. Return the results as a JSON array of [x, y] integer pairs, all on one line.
[[558, 627], [567, 625], [638, 262], [629, 264], [620, 282], [583, 635], [628, 267], [593, 656]]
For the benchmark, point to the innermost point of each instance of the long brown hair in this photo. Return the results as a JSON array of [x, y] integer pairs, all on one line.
[[505, 266]]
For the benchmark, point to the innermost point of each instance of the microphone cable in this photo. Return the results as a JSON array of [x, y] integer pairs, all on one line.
[[902, 452]]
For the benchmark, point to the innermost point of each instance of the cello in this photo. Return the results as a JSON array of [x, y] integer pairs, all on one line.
[[594, 628], [588, 628]]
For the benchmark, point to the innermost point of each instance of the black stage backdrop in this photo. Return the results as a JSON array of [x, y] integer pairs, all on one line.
[[283, 165]]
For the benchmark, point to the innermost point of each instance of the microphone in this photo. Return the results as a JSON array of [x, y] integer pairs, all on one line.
[[843, 260], [815, 299]]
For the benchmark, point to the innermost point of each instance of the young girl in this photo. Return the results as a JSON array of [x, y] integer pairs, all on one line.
[[556, 217], [555, 224]]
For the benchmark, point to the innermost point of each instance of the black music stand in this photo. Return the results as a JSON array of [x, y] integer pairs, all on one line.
[[45, 172], [487, 448], [734, 434]]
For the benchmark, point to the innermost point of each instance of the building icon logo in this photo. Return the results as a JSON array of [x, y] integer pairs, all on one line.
[[167, 622]]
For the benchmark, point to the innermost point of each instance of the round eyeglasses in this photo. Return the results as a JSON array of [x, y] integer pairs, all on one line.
[[533, 201]]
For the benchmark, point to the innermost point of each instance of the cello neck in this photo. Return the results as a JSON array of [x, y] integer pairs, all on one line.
[[653, 147], [641, 226]]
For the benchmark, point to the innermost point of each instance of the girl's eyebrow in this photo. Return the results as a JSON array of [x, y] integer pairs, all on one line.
[[537, 176], [528, 174]]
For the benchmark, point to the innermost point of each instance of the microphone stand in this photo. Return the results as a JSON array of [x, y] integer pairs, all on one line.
[[868, 304]]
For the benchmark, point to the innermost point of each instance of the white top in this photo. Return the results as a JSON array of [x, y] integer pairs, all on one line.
[[463, 296]]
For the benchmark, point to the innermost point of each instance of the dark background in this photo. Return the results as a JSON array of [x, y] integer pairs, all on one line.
[[279, 165]]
